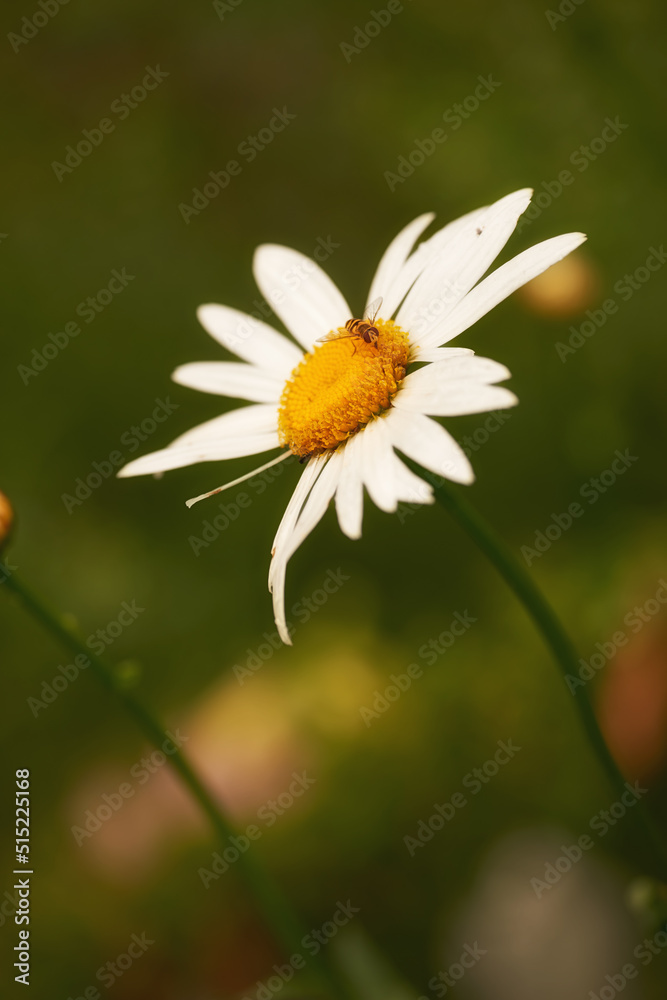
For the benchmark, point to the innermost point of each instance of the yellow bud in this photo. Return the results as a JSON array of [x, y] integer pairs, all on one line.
[[564, 290], [6, 518]]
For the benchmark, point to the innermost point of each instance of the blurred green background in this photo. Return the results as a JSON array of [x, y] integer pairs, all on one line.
[[558, 77]]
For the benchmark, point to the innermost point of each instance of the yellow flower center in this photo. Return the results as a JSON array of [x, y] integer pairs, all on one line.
[[340, 387]]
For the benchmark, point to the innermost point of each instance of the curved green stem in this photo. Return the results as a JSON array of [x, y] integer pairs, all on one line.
[[270, 900], [556, 639]]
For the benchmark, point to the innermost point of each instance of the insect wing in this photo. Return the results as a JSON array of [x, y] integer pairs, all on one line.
[[333, 335], [372, 310]]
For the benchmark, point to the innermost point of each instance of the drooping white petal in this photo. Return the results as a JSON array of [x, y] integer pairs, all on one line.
[[312, 512], [303, 487], [459, 265], [350, 492], [429, 444], [393, 260], [249, 338], [499, 284], [441, 398], [299, 292], [231, 378], [315, 506]]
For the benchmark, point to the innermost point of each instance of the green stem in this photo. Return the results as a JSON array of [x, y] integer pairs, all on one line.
[[556, 639], [269, 898]]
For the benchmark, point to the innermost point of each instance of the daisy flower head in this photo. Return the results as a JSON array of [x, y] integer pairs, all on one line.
[[346, 394]]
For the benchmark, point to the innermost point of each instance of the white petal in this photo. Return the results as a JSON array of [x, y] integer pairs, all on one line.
[[297, 500], [312, 512], [453, 398], [244, 421], [314, 508], [429, 444], [248, 430], [299, 292], [377, 466], [386, 478], [249, 338], [439, 353], [409, 487], [468, 367], [425, 253], [459, 265], [177, 458], [394, 258], [501, 283], [350, 492], [233, 379]]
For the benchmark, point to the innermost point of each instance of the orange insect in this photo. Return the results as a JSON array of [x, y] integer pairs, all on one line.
[[363, 329]]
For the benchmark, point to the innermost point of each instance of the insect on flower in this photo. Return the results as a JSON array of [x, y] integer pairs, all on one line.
[[364, 329], [349, 416]]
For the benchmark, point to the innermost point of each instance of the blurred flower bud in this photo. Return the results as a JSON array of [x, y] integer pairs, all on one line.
[[6, 519], [564, 290]]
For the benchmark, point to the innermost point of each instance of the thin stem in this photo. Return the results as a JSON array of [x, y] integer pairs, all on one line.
[[270, 900], [556, 639]]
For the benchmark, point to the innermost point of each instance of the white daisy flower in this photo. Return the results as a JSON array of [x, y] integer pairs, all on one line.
[[348, 397]]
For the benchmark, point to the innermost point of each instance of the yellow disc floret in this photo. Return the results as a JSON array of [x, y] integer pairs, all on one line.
[[340, 387]]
